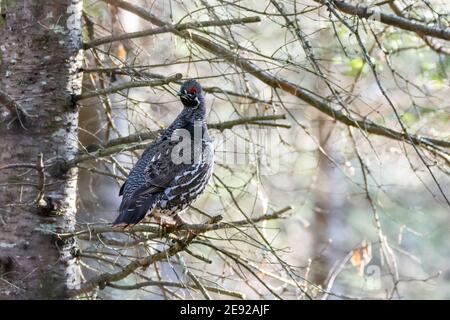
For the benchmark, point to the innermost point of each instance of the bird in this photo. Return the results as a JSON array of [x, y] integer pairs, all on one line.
[[174, 170]]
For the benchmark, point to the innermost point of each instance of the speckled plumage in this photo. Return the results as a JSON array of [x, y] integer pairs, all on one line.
[[162, 183]]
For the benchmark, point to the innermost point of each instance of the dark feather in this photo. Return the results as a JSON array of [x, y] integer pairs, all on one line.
[[121, 189], [135, 210]]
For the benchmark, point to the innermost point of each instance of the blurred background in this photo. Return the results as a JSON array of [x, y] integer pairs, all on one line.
[[366, 216]]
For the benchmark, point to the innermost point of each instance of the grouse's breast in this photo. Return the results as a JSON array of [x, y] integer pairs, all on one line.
[[189, 184]]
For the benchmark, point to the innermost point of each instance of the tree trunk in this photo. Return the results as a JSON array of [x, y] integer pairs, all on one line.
[[40, 56]]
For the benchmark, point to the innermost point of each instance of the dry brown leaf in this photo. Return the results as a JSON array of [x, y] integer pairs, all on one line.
[[361, 256], [121, 52]]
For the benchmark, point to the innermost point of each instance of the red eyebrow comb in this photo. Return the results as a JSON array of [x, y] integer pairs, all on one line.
[[192, 90]]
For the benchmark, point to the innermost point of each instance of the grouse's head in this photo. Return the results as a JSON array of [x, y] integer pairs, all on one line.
[[191, 93]]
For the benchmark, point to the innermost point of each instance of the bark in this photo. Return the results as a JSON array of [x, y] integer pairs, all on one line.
[[40, 45]]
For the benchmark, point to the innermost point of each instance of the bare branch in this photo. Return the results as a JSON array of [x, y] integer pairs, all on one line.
[[433, 45], [14, 108], [171, 28], [129, 85], [141, 136], [18, 165], [158, 232], [392, 20], [234, 294], [199, 285]]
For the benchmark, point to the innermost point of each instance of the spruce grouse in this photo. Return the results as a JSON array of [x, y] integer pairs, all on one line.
[[175, 169]]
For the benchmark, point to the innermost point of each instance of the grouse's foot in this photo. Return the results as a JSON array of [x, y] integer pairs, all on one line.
[[180, 222], [166, 225]]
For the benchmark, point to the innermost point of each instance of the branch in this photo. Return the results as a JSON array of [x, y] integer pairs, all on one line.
[[132, 71], [14, 108], [158, 232], [144, 284], [390, 19], [428, 40], [250, 120], [101, 153], [139, 84], [8, 102], [275, 82], [199, 285], [18, 165], [170, 28], [236, 94], [141, 136], [129, 85], [104, 279]]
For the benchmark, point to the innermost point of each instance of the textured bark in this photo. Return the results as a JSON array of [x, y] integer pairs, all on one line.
[[40, 45]]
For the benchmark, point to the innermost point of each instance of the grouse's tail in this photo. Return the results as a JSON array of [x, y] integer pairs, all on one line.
[[134, 210]]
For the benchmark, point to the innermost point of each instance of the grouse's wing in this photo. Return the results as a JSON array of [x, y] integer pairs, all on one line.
[[164, 172], [164, 165], [151, 175], [194, 178]]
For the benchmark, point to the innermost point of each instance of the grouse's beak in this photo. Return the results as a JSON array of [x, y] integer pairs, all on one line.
[[181, 94]]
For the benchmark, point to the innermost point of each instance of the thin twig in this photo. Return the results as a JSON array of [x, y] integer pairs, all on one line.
[[170, 28], [129, 85]]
